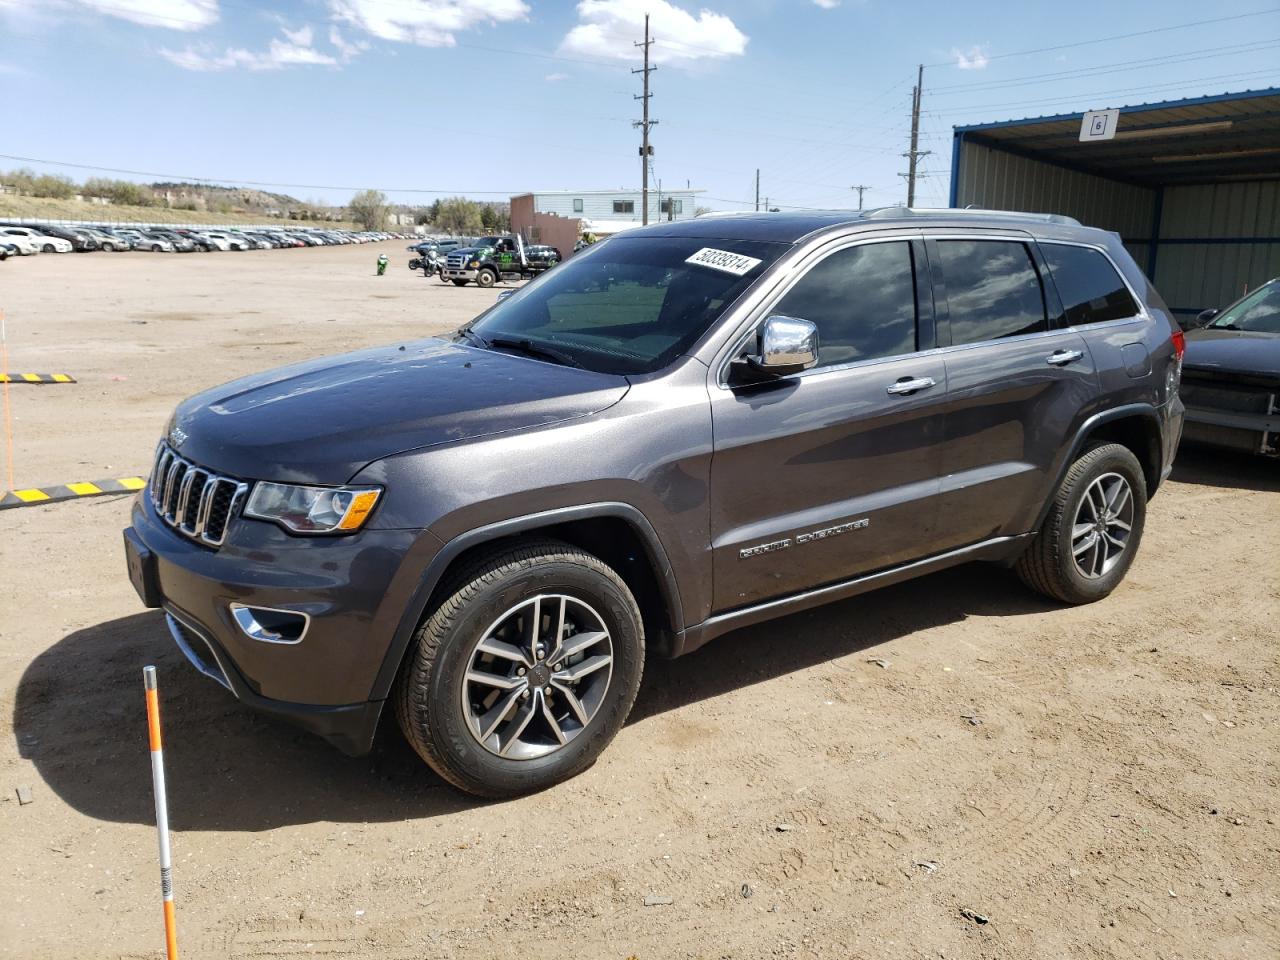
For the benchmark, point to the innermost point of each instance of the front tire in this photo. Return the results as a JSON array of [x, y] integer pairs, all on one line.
[[486, 278], [1094, 527], [524, 671]]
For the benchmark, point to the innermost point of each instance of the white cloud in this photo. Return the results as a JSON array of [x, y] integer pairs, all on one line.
[[174, 14], [555, 77], [294, 50], [827, 4], [346, 49], [974, 59], [428, 23], [609, 29]]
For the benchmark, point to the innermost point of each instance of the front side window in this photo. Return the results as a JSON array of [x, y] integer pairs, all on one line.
[[1259, 312], [626, 305], [624, 206], [863, 301], [993, 289], [1090, 289]]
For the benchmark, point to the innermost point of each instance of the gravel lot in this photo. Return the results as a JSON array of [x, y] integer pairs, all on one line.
[[1099, 782]]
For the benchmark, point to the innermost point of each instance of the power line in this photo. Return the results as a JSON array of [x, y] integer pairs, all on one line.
[[1112, 92], [1210, 53], [1118, 36]]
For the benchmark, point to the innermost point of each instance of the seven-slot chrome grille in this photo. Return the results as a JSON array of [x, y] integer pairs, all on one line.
[[191, 499], [456, 261]]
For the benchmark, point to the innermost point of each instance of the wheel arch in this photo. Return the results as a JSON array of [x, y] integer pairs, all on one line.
[[1135, 426], [618, 533]]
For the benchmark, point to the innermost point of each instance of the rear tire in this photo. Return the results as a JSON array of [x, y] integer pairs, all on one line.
[[1094, 527], [469, 731]]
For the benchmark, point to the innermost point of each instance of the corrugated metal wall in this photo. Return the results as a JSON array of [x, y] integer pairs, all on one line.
[[1189, 275], [1192, 276], [1003, 181]]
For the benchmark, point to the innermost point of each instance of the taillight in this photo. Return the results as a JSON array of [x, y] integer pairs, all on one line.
[[1179, 344]]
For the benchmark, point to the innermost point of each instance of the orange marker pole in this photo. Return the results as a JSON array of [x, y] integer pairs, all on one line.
[[162, 811]]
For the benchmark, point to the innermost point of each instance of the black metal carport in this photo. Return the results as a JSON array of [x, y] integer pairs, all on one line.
[[1192, 186]]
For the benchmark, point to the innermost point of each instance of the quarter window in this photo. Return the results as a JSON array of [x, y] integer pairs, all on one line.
[[1090, 288], [863, 301], [624, 206], [993, 289]]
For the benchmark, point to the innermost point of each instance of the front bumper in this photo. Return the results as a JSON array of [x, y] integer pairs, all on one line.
[[463, 274], [346, 586]]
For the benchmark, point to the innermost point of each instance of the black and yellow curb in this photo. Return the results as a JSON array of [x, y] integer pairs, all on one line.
[[36, 378], [72, 491]]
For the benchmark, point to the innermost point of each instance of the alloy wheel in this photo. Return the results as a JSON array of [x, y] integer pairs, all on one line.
[[1102, 526], [537, 677]]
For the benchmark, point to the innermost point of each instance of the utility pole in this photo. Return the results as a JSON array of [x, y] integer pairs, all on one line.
[[860, 187], [913, 155], [646, 151], [757, 189]]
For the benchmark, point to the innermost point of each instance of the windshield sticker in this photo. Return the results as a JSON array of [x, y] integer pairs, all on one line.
[[725, 260]]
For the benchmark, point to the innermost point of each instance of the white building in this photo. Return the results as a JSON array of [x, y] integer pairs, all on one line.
[[606, 211]]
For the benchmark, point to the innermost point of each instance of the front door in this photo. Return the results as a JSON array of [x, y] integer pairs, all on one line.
[[823, 475]]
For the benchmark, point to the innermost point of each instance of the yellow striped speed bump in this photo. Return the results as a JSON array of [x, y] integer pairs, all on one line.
[[71, 491], [36, 378]]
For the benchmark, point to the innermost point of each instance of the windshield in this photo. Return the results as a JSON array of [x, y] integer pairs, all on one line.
[[630, 305], [1259, 312]]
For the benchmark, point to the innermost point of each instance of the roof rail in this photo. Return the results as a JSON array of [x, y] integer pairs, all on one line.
[[889, 213]]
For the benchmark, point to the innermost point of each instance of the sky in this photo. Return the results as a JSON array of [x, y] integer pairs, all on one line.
[[490, 98]]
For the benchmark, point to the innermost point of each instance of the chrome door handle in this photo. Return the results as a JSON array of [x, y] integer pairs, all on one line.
[[1060, 358], [911, 386]]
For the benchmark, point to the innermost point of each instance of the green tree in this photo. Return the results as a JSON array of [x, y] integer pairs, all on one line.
[[369, 208], [489, 219], [458, 215], [47, 185]]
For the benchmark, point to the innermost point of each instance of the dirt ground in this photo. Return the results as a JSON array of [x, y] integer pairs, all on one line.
[[1099, 782]]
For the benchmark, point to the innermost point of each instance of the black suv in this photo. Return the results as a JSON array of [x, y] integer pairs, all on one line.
[[682, 430]]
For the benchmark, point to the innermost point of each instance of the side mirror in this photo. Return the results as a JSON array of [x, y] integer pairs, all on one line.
[[786, 345], [1204, 316], [502, 295]]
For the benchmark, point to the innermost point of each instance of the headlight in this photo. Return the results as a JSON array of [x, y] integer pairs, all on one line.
[[312, 509]]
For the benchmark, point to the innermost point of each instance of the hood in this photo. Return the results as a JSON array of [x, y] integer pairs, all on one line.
[[1233, 351], [323, 420], [469, 251]]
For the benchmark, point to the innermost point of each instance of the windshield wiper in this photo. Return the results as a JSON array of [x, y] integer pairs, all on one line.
[[474, 337], [533, 349]]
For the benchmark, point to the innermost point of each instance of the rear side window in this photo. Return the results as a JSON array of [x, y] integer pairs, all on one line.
[[1090, 288], [993, 289], [862, 300]]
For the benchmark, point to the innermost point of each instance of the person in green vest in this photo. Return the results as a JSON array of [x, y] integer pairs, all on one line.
[[382, 264]]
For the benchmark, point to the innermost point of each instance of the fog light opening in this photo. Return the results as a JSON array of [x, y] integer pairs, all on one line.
[[269, 625]]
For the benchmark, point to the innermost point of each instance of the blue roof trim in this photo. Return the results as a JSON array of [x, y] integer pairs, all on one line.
[[1136, 108]]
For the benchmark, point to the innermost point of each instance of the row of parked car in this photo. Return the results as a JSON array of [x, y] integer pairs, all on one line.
[[27, 239]]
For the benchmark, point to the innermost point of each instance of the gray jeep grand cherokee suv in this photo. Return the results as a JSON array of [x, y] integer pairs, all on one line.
[[682, 430]]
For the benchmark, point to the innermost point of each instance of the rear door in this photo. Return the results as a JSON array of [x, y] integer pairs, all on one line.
[[823, 475], [1016, 383]]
